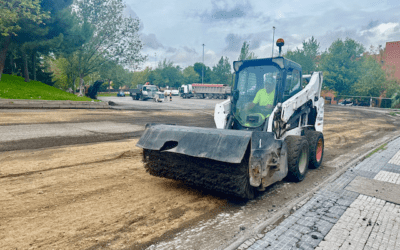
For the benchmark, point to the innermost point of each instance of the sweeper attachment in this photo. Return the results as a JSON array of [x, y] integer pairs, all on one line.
[[271, 128]]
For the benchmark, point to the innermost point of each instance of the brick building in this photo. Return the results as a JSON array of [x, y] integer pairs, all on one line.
[[391, 58]]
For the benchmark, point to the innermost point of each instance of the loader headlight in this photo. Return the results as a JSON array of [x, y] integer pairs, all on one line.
[[236, 65]]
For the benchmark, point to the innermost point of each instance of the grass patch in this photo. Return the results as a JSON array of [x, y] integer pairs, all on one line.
[[14, 87], [394, 113], [382, 147], [107, 94]]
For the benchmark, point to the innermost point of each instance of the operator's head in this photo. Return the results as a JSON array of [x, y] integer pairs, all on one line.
[[269, 83]]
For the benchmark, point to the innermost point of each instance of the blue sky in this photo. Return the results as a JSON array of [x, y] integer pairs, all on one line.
[[176, 29]]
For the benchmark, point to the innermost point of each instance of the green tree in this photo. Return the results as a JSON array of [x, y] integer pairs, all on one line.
[[115, 73], [305, 56], [166, 74], [341, 65], [114, 37], [199, 67], [12, 13], [245, 53], [371, 80], [140, 77], [222, 72], [190, 75]]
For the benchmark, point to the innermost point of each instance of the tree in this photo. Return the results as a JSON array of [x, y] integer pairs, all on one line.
[[190, 75], [245, 54], [166, 74], [222, 72], [140, 77], [12, 13], [199, 67], [372, 79], [306, 56], [114, 37], [341, 65]]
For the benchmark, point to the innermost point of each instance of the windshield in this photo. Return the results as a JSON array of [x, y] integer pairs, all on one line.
[[256, 86]]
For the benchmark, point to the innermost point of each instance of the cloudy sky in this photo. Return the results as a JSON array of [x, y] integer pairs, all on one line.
[[176, 29]]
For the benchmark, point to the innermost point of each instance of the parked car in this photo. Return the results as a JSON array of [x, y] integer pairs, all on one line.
[[121, 94], [346, 103]]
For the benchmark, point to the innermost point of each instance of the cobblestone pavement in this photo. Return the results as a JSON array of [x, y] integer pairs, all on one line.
[[336, 218]]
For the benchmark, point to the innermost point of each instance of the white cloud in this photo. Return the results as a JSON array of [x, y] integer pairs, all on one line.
[[223, 25]]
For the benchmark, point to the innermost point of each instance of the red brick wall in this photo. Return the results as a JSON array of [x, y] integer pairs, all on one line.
[[329, 93], [392, 57]]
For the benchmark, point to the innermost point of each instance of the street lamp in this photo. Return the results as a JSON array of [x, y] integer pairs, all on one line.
[[273, 39], [202, 67]]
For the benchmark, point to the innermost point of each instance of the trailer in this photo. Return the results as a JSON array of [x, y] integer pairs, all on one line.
[[210, 91]]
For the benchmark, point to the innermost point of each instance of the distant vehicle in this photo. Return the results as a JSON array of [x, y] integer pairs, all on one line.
[[346, 103], [175, 92], [143, 92], [121, 94], [210, 91], [159, 97]]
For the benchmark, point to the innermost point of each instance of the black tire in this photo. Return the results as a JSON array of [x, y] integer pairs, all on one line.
[[316, 148], [298, 155]]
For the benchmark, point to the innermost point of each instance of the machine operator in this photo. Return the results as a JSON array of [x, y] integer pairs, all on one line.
[[265, 97]]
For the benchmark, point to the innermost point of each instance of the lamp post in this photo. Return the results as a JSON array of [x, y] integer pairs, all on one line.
[[273, 39], [202, 67], [155, 60]]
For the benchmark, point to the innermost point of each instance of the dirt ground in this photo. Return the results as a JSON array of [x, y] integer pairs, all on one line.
[[98, 195]]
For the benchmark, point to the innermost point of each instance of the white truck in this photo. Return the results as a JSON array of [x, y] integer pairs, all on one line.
[[144, 92]]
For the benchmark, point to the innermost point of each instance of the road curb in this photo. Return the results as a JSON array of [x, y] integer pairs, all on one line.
[[304, 198], [46, 104]]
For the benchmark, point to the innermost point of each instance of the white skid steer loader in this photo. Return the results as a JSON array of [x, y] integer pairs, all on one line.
[[255, 144]]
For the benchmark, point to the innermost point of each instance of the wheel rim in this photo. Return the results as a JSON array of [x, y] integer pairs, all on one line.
[[303, 161], [320, 146]]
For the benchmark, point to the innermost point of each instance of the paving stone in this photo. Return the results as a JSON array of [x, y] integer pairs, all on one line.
[[337, 218], [391, 168], [306, 221], [313, 238]]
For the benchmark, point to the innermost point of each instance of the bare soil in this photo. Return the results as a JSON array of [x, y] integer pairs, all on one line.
[[98, 195]]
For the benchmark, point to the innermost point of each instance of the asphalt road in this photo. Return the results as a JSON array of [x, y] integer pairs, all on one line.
[[177, 103], [127, 121]]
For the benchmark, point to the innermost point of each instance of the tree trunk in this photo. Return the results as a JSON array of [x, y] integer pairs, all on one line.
[[34, 65], [81, 93], [25, 60], [73, 86], [109, 85], [3, 54], [12, 63]]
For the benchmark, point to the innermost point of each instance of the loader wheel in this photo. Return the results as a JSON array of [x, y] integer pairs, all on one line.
[[316, 147], [298, 153]]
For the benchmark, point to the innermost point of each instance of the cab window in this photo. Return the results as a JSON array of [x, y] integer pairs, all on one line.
[[293, 84]]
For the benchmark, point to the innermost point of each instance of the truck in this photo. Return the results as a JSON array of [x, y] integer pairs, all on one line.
[[210, 91], [143, 92], [253, 145]]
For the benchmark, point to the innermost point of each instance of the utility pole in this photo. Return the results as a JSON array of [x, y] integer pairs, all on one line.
[[202, 67], [273, 39], [155, 60]]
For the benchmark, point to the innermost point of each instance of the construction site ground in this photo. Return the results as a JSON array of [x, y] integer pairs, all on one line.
[[89, 190]]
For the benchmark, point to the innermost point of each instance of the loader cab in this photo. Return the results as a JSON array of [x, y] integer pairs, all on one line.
[[274, 80]]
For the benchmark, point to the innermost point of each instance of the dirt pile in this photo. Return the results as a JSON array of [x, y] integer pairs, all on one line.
[[91, 196]]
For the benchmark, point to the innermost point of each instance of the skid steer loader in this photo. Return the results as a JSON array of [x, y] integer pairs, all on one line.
[[254, 145]]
